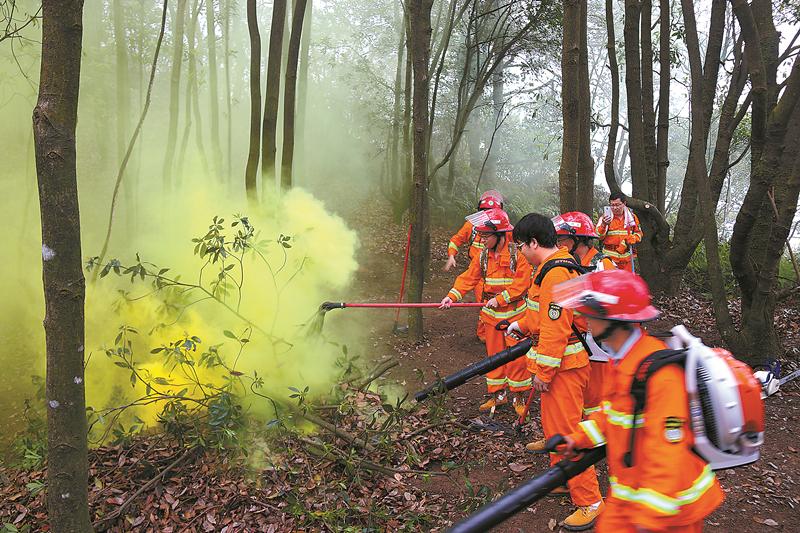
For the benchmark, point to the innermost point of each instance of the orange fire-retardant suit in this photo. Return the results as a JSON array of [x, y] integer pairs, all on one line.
[[668, 487], [509, 287], [559, 359], [599, 371], [618, 239], [467, 234]]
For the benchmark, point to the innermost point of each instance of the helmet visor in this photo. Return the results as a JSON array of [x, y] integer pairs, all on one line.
[[578, 294]]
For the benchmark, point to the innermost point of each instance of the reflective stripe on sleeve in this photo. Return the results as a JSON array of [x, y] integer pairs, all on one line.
[[452, 246], [661, 502], [492, 282], [618, 232], [593, 432], [455, 293], [589, 410], [506, 296], [503, 314], [618, 418], [533, 305], [546, 360]]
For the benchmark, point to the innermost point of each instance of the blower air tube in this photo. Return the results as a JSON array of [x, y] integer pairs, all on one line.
[[528, 493], [477, 369]]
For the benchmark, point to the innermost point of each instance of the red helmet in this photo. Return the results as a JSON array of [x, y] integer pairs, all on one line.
[[491, 199], [491, 221], [574, 224], [609, 295]]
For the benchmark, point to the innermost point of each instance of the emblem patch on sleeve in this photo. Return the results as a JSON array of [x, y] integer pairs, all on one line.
[[554, 311], [673, 429]]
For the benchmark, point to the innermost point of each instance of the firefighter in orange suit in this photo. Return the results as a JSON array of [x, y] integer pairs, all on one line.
[[619, 232], [505, 276], [576, 232], [661, 485], [468, 234], [558, 360]]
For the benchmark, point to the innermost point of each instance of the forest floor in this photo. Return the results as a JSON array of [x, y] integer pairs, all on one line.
[[423, 468]]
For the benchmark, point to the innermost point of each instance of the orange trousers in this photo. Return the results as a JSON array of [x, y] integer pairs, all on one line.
[[481, 331], [599, 378], [513, 375], [620, 517], [562, 410], [623, 264]]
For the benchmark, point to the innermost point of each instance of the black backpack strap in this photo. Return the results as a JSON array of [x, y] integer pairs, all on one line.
[[569, 264], [582, 338], [649, 366]]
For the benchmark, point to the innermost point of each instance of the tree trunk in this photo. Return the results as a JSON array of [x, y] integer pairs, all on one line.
[[608, 164], [216, 151], [662, 135], [289, 92], [269, 130], [174, 93], [648, 101], [633, 86], [302, 78], [250, 185], [585, 179], [54, 121], [393, 155], [191, 80], [228, 95], [407, 151], [195, 95], [123, 83], [420, 31], [570, 107]]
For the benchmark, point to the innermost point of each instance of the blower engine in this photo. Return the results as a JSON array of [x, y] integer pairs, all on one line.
[[725, 405]]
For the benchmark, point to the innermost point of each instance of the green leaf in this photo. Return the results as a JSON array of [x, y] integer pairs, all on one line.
[[230, 335], [157, 350]]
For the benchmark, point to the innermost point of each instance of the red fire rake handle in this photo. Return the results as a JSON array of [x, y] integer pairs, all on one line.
[[327, 306]]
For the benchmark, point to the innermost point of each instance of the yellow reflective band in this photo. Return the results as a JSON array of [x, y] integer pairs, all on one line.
[[451, 245], [546, 360], [506, 296], [532, 354], [647, 497], [478, 244], [499, 281], [503, 314], [618, 418], [661, 502], [593, 432], [589, 410], [455, 293], [616, 255], [618, 232], [572, 349], [490, 381], [698, 488], [525, 383], [533, 305]]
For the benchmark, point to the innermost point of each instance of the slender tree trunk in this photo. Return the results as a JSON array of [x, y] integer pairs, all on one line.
[[250, 180], [420, 49], [269, 130], [407, 155], [570, 107], [394, 142], [195, 96], [302, 78], [174, 92], [648, 101], [123, 83], [191, 75], [289, 92], [54, 120], [662, 135], [633, 86], [228, 95], [216, 151], [608, 163], [585, 179]]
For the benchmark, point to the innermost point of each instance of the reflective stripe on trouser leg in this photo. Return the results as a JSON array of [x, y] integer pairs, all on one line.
[[497, 379], [519, 379], [619, 517], [562, 410], [599, 378]]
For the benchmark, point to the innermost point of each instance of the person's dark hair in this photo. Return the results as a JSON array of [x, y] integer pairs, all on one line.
[[618, 196], [535, 226]]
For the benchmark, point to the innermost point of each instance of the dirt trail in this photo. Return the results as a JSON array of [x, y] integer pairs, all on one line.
[[756, 495]]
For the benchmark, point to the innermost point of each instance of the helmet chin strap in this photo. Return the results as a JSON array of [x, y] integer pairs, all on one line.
[[614, 326]]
